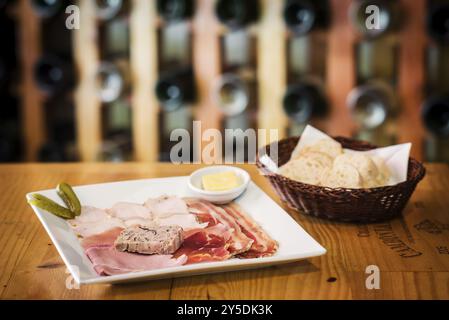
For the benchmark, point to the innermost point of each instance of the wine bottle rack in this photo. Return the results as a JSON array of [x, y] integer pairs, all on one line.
[[271, 34]]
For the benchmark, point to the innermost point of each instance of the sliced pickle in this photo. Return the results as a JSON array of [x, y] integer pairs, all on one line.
[[49, 205], [69, 197]]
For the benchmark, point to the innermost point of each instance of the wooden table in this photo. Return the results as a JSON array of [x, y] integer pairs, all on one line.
[[412, 253]]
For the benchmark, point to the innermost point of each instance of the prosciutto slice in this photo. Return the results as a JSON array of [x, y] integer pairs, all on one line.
[[263, 245], [238, 242], [206, 245], [108, 261]]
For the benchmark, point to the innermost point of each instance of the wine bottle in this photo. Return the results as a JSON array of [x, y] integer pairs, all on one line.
[[10, 141], [304, 100], [47, 8], [435, 115], [4, 74], [176, 89], [54, 74], [371, 104], [438, 22], [110, 9], [231, 94], [3, 4], [175, 10], [367, 22], [303, 16], [113, 80], [51, 152], [237, 14]]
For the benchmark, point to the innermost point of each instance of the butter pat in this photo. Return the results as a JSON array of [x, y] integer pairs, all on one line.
[[220, 181]]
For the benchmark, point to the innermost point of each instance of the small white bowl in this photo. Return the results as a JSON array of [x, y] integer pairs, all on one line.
[[218, 197]]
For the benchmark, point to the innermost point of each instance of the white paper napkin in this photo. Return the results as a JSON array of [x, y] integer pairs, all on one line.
[[395, 157]]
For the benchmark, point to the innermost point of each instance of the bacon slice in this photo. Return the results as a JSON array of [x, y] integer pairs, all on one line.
[[238, 242], [263, 245]]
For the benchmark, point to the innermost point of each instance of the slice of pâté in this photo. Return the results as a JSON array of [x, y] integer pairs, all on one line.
[[150, 239]]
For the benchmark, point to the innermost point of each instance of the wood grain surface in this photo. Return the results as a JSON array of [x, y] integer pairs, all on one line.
[[412, 253]]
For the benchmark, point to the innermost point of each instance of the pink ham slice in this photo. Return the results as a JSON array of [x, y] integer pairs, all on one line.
[[108, 261], [238, 242], [105, 239], [263, 245]]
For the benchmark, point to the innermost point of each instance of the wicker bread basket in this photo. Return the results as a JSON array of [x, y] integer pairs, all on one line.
[[347, 205]]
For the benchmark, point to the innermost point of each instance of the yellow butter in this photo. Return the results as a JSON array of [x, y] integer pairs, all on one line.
[[220, 181]]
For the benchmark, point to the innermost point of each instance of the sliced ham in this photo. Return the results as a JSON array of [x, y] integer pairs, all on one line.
[[165, 206], [127, 210], [238, 242], [263, 245], [104, 239], [108, 261]]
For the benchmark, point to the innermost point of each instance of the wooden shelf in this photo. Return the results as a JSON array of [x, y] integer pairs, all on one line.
[[411, 75], [33, 118], [271, 73], [88, 113], [143, 49]]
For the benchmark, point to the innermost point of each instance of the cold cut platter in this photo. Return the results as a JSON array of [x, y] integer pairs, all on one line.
[[156, 228]]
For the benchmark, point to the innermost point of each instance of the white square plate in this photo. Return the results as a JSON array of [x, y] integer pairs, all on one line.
[[294, 242]]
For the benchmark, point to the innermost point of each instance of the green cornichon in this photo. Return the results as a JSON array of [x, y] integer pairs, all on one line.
[[69, 197], [49, 205]]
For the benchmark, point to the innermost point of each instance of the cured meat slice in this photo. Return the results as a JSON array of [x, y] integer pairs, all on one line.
[[238, 242], [127, 210], [212, 237], [263, 245], [108, 261], [185, 221], [90, 228], [203, 254], [206, 245], [91, 214], [105, 239], [165, 206]]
